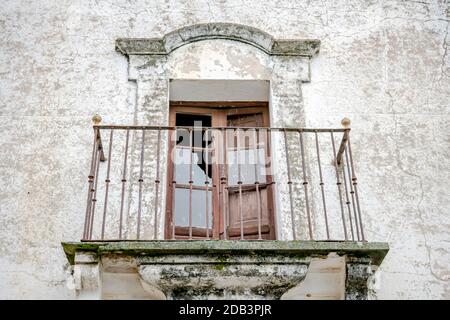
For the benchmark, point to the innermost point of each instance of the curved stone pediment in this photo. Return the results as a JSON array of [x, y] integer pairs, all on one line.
[[209, 31]]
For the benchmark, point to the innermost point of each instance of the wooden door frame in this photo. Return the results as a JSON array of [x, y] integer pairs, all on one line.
[[219, 112]]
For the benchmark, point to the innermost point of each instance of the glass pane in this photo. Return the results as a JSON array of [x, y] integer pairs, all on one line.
[[198, 208], [183, 137], [182, 162], [200, 137], [251, 167]]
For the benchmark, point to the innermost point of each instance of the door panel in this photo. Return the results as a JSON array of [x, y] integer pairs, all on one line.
[[191, 189], [249, 194]]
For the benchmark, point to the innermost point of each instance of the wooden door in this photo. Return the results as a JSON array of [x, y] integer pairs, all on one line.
[[201, 210], [191, 188], [250, 190]]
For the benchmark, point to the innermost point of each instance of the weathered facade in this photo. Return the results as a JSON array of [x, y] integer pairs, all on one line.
[[384, 65]]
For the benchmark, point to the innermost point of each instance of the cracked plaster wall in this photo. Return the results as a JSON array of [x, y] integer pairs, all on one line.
[[382, 64]]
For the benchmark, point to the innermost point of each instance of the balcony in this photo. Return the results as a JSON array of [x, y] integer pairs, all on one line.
[[257, 205], [225, 195]]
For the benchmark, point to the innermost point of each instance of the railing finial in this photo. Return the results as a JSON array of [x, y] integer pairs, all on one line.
[[96, 119], [345, 123]]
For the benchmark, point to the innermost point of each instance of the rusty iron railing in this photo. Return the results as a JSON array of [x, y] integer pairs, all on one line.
[[311, 173]]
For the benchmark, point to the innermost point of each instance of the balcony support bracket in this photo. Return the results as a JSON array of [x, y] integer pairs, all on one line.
[[225, 269]]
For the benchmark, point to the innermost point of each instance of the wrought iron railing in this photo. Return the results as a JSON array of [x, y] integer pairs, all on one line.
[[244, 183]]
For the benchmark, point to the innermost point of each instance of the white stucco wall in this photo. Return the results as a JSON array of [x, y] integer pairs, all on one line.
[[382, 64]]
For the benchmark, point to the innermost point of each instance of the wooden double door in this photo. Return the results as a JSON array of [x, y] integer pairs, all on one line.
[[219, 173]]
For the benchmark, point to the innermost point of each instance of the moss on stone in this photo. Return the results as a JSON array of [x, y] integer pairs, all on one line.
[[218, 266], [376, 251]]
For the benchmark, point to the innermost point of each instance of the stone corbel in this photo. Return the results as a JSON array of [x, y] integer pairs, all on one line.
[[325, 280], [87, 276], [359, 273]]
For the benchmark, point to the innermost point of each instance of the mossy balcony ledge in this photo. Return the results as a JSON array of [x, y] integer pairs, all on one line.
[[375, 251], [200, 269]]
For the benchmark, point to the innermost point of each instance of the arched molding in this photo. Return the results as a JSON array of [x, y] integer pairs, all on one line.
[[209, 31]]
